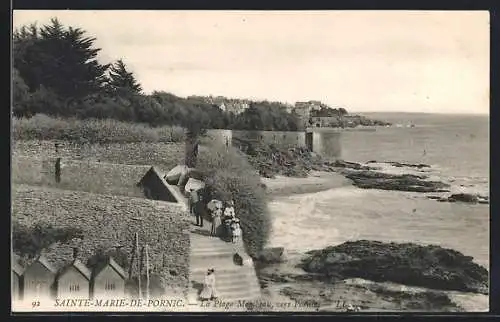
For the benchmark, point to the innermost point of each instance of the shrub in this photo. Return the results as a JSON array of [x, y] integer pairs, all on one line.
[[102, 254], [228, 174], [43, 127], [30, 241]]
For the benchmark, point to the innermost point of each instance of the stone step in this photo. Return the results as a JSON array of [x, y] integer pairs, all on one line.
[[211, 248], [245, 295], [222, 274], [228, 282], [218, 255], [198, 263], [205, 246]]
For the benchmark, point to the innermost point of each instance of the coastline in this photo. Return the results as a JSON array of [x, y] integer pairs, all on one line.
[[286, 281]]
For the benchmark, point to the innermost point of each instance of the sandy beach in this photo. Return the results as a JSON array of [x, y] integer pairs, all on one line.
[[317, 181]]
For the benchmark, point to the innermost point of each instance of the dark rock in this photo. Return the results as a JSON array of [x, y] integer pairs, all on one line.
[[349, 165], [409, 165], [464, 197], [385, 181], [410, 264], [271, 255], [401, 164]]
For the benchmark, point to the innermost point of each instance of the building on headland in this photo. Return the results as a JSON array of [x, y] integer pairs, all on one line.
[[232, 105], [305, 110], [73, 281]]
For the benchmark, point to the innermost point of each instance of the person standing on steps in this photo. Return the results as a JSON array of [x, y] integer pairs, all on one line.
[[195, 205], [216, 220], [209, 292], [229, 216], [235, 231]]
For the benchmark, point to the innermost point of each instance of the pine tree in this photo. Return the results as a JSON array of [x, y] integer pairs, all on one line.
[[60, 60], [121, 81]]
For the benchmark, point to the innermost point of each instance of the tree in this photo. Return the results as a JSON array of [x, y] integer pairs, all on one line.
[[62, 60], [20, 95], [121, 80]]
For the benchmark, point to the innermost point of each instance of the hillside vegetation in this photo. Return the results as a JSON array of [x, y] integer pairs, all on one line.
[[43, 127], [104, 223]]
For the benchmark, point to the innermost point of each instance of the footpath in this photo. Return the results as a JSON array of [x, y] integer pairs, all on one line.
[[235, 279]]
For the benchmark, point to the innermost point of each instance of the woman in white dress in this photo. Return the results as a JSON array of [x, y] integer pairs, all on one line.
[[209, 292], [216, 220]]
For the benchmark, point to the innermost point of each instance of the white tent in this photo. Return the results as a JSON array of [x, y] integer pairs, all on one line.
[[194, 185]]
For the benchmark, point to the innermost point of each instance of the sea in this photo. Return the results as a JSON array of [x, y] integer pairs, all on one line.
[[457, 149]]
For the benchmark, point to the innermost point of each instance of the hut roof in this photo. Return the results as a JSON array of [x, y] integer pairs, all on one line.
[[16, 268], [174, 190], [43, 260], [114, 265], [80, 267]]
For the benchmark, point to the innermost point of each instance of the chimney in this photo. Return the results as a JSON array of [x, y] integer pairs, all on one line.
[[75, 253]]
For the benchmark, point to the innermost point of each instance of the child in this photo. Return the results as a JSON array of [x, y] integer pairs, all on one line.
[[236, 231]]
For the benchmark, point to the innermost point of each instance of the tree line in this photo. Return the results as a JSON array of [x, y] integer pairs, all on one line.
[[56, 72]]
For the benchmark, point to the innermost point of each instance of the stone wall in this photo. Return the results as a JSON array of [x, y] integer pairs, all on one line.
[[163, 155], [111, 221], [96, 177]]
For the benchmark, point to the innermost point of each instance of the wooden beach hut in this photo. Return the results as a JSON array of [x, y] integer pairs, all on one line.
[[16, 279], [73, 281], [108, 280], [39, 279]]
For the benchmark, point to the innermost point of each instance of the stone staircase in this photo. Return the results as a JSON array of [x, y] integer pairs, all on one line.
[[235, 280]]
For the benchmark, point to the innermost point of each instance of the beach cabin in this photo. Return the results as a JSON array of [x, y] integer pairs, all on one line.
[[73, 281], [108, 280], [16, 279], [155, 187], [39, 279]]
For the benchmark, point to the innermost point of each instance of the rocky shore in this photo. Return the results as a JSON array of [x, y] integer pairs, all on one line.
[[273, 162], [373, 276], [407, 263]]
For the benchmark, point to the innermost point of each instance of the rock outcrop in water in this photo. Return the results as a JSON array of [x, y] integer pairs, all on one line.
[[401, 182], [402, 165], [463, 197], [410, 264]]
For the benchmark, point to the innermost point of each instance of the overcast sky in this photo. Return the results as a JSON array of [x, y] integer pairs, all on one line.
[[363, 61]]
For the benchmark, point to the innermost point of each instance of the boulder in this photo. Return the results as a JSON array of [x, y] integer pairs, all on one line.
[[464, 197], [272, 255], [410, 264], [173, 176]]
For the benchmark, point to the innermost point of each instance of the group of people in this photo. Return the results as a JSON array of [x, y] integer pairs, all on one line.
[[224, 222]]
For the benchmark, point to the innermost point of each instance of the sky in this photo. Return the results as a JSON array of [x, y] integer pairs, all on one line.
[[366, 61]]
